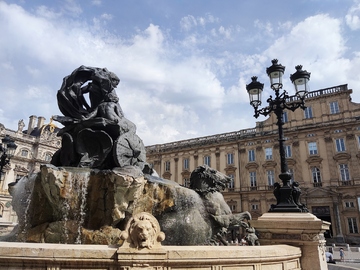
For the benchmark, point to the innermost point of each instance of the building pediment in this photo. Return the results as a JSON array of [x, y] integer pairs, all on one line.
[[230, 169], [314, 160], [349, 197], [320, 192], [269, 164], [291, 161], [342, 156], [167, 175], [19, 168], [185, 174], [252, 165]]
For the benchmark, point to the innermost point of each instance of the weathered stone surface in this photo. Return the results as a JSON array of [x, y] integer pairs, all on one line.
[[55, 256], [82, 205]]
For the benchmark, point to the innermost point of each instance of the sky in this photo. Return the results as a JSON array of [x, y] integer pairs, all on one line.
[[183, 64]]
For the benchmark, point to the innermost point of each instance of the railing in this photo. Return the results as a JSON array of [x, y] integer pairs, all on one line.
[[270, 188], [346, 183], [327, 91], [202, 140]]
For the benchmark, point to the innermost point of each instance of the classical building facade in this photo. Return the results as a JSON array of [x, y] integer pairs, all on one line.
[[35, 146], [322, 152]]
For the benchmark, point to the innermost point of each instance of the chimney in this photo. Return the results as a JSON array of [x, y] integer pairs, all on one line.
[[32, 120], [41, 121]]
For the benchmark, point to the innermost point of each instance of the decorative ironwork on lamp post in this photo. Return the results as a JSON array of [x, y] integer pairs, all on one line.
[[287, 195], [7, 151]]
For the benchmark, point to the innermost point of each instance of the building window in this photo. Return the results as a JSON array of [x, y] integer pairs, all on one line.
[[340, 145], [312, 148], [285, 117], [253, 179], [230, 158], [353, 228], [334, 107], [288, 153], [308, 112], [207, 161], [291, 171], [344, 172], [268, 153], [349, 205], [270, 177], [186, 182], [251, 155], [48, 157], [186, 163], [167, 166], [231, 184], [24, 153], [358, 139], [232, 207], [254, 207], [316, 176]]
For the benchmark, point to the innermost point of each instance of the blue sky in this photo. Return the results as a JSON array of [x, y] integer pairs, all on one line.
[[183, 65]]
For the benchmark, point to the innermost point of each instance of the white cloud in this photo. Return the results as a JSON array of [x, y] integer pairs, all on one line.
[[106, 16], [71, 7], [187, 22], [225, 32], [267, 27], [146, 64], [353, 16], [171, 88], [96, 2]]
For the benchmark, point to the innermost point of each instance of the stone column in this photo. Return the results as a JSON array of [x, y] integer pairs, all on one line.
[[217, 156], [176, 159], [339, 234], [302, 230], [196, 157]]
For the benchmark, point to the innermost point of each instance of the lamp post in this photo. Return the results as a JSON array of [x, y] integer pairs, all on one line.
[[287, 196], [7, 151]]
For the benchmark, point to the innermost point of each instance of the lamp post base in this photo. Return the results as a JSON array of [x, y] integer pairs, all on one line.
[[287, 199]]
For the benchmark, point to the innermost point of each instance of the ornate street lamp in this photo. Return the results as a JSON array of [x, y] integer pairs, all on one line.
[[7, 151], [287, 196]]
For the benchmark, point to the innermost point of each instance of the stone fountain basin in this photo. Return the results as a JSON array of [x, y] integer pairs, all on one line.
[[59, 256]]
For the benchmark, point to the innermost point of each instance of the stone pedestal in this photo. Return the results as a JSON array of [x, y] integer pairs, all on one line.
[[303, 230]]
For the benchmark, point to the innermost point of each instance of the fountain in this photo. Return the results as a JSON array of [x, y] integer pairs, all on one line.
[[103, 200]]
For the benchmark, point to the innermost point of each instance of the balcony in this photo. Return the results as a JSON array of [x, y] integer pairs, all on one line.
[[318, 184], [346, 183]]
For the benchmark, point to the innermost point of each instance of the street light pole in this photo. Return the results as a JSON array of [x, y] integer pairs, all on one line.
[[287, 196], [7, 151]]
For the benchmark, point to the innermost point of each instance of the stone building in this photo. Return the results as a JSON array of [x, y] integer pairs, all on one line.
[[322, 152], [35, 146]]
